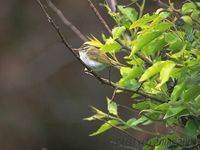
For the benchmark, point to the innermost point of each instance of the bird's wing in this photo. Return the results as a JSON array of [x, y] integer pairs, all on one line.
[[96, 54], [102, 57]]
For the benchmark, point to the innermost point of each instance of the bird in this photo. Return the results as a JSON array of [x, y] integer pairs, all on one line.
[[96, 59]]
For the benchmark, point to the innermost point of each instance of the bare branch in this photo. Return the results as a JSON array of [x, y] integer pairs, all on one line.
[[64, 41], [66, 21], [99, 17], [114, 93]]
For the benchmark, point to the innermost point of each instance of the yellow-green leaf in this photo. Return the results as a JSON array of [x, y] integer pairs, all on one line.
[[173, 111], [118, 31], [111, 46], [98, 115], [106, 126], [93, 41], [152, 70], [143, 21], [112, 107], [165, 72], [143, 40]]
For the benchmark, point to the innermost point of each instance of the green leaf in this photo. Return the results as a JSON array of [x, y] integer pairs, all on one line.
[[174, 41], [128, 77], [192, 93], [142, 105], [178, 90], [164, 14], [172, 111], [179, 54], [131, 72], [111, 46], [152, 70], [112, 107], [197, 99], [149, 87], [152, 116], [189, 7], [98, 115], [149, 35], [129, 12], [105, 127], [161, 147], [191, 128], [165, 72], [187, 19], [162, 107], [195, 14], [93, 41], [143, 40], [143, 21], [118, 31], [128, 124], [163, 26], [132, 122], [170, 37], [154, 46]]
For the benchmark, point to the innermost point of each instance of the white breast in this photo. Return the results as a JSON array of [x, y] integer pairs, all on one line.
[[95, 65]]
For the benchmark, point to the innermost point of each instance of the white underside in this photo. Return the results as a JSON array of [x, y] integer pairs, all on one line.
[[95, 65]]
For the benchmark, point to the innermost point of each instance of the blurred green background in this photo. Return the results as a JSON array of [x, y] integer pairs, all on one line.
[[44, 92]]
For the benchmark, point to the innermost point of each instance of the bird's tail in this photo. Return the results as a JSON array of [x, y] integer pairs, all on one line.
[[117, 64]]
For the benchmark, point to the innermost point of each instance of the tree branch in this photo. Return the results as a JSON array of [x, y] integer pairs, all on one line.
[[102, 80], [99, 17], [138, 54], [64, 41], [66, 21]]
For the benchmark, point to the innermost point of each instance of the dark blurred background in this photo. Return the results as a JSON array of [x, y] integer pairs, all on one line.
[[44, 92]]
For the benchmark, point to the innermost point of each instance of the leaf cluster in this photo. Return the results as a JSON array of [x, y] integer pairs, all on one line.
[[172, 43]]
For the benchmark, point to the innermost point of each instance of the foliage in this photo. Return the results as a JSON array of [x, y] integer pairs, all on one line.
[[171, 41]]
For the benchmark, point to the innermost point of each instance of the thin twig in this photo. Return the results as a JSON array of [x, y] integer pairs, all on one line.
[[102, 80], [128, 108], [100, 17], [142, 8], [66, 21], [125, 132], [164, 5], [131, 3], [114, 93], [185, 146], [146, 60], [162, 121], [137, 92]]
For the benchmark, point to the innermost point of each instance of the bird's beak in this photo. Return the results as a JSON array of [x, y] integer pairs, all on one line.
[[76, 49]]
